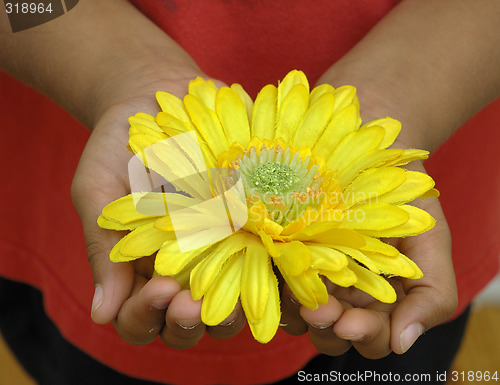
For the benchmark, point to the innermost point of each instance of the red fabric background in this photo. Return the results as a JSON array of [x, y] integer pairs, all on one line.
[[41, 239]]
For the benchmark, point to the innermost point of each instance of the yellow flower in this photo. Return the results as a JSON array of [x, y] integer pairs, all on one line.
[[320, 188]]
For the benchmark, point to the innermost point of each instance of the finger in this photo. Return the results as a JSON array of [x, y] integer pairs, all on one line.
[[291, 320], [432, 299], [320, 327], [113, 281], [422, 309], [353, 296], [183, 328], [230, 327], [367, 329], [142, 316]]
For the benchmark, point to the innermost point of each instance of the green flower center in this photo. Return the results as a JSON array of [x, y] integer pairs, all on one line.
[[274, 178], [285, 183]]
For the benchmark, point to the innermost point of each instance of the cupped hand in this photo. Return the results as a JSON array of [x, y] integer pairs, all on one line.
[[140, 306], [353, 318]]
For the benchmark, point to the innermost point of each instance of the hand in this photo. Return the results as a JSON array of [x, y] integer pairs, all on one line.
[[140, 307], [374, 328]]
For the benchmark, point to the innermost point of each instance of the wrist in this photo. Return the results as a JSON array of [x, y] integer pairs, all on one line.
[[383, 95], [137, 82]]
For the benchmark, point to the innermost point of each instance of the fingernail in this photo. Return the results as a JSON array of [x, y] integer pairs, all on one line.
[[98, 297], [188, 324], [321, 326], [294, 300], [410, 334], [228, 323], [353, 337], [161, 302]]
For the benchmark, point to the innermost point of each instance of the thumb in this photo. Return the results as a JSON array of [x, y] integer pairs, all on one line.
[[113, 281], [432, 299], [423, 308]]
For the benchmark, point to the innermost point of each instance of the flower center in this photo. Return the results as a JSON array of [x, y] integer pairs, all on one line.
[[285, 183], [274, 178]]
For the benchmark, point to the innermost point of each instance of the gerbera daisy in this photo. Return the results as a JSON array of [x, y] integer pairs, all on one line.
[[320, 190]]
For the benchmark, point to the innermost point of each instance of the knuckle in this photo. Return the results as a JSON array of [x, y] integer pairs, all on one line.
[[95, 251], [445, 304], [134, 336]]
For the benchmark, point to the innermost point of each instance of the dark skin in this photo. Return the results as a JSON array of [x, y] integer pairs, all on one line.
[[414, 48]]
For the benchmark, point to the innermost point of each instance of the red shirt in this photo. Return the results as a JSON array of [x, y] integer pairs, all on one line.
[[254, 43]]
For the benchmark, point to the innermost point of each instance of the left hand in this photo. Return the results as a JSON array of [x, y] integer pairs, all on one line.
[[352, 317]]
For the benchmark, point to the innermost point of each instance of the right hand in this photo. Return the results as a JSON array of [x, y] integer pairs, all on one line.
[[140, 307]]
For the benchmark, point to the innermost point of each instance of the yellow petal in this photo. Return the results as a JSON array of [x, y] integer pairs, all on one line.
[[299, 285], [291, 112], [264, 330], [344, 277], [264, 113], [292, 79], [205, 272], [317, 286], [353, 146], [144, 241], [245, 98], [409, 156], [184, 275], [373, 158], [345, 96], [341, 124], [149, 201], [376, 216], [415, 185], [222, 295], [172, 126], [377, 246], [166, 120], [360, 257], [145, 116], [183, 171], [124, 210], [269, 243], [418, 273], [116, 256], [139, 142], [371, 184], [393, 266], [144, 120], [207, 123], [189, 220], [419, 222], [255, 281], [392, 129], [373, 284], [106, 223], [294, 257], [170, 261], [319, 91], [326, 258], [204, 90], [328, 236], [172, 105], [233, 116], [136, 129], [315, 121], [432, 193]]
